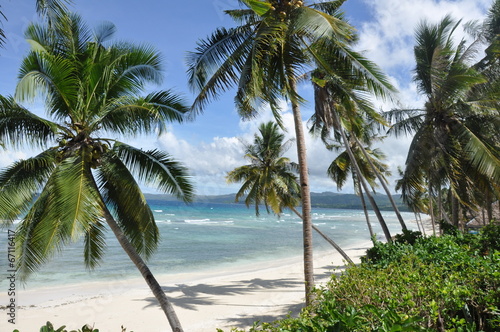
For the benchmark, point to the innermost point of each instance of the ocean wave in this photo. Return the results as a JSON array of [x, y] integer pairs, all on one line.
[[207, 221], [158, 210]]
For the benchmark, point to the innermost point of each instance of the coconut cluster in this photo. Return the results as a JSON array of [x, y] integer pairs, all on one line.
[[92, 149], [282, 7]]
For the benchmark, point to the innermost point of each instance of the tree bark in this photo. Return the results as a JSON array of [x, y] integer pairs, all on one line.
[[382, 182], [305, 198], [374, 205], [145, 272]]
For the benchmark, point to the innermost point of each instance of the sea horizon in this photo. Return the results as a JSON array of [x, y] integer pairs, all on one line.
[[205, 236]]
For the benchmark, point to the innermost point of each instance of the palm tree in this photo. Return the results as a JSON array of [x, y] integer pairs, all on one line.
[[343, 106], [273, 44], [83, 181], [327, 117], [270, 179], [449, 146]]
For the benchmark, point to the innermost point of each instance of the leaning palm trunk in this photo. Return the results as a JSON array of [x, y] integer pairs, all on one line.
[[381, 220], [145, 272], [324, 236], [365, 210], [382, 182], [431, 211]]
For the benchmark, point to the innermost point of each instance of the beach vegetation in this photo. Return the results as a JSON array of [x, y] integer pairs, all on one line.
[[49, 327], [447, 283], [454, 155], [84, 183]]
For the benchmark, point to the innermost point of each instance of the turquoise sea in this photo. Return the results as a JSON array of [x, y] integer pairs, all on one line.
[[206, 236]]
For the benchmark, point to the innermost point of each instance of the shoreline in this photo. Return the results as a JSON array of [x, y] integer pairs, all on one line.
[[204, 300]]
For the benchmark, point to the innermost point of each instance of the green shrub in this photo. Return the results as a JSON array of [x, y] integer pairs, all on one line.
[[408, 237], [446, 283], [49, 327]]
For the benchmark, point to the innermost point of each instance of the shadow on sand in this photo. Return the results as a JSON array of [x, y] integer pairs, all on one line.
[[193, 296]]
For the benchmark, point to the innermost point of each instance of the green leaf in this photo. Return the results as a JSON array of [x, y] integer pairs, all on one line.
[[319, 82], [259, 7]]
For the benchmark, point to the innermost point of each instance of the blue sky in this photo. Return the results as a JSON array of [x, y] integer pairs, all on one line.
[[211, 145]]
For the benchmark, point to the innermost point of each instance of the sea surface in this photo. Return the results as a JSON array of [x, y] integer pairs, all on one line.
[[207, 236]]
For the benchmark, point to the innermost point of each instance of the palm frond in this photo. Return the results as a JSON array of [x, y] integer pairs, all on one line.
[[21, 181], [157, 169], [483, 157], [52, 77], [103, 32], [36, 236], [128, 204], [316, 24], [214, 66], [137, 65], [404, 121], [63, 211], [52, 9], [94, 245], [76, 203], [130, 115], [18, 126]]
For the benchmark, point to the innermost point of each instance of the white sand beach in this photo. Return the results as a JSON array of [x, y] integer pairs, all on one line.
[[235, 297]]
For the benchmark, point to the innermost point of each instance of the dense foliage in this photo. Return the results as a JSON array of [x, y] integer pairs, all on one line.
[[447, 283]]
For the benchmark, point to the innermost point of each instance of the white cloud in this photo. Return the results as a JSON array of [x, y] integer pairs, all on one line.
[[388, 38], [208, 162], [7, 157]]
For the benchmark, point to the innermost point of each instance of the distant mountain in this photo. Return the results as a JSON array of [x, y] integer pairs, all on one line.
[[321, 200]]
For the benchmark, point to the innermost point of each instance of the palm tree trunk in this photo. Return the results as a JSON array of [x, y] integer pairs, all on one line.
[[305, 198], [365, 210], [418, 224], [374, 205], [454, 211], [489, 207], [324, 236], [382, 182], [422, 224], [145, 272], [431, 211]]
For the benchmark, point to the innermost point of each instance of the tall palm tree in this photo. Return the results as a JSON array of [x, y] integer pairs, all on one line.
[[343, 106], [263, 57], [83, 181], [449, 147], [270, 179]]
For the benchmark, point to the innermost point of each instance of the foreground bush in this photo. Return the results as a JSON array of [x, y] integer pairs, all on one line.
[[449, 283], [49, 327]]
